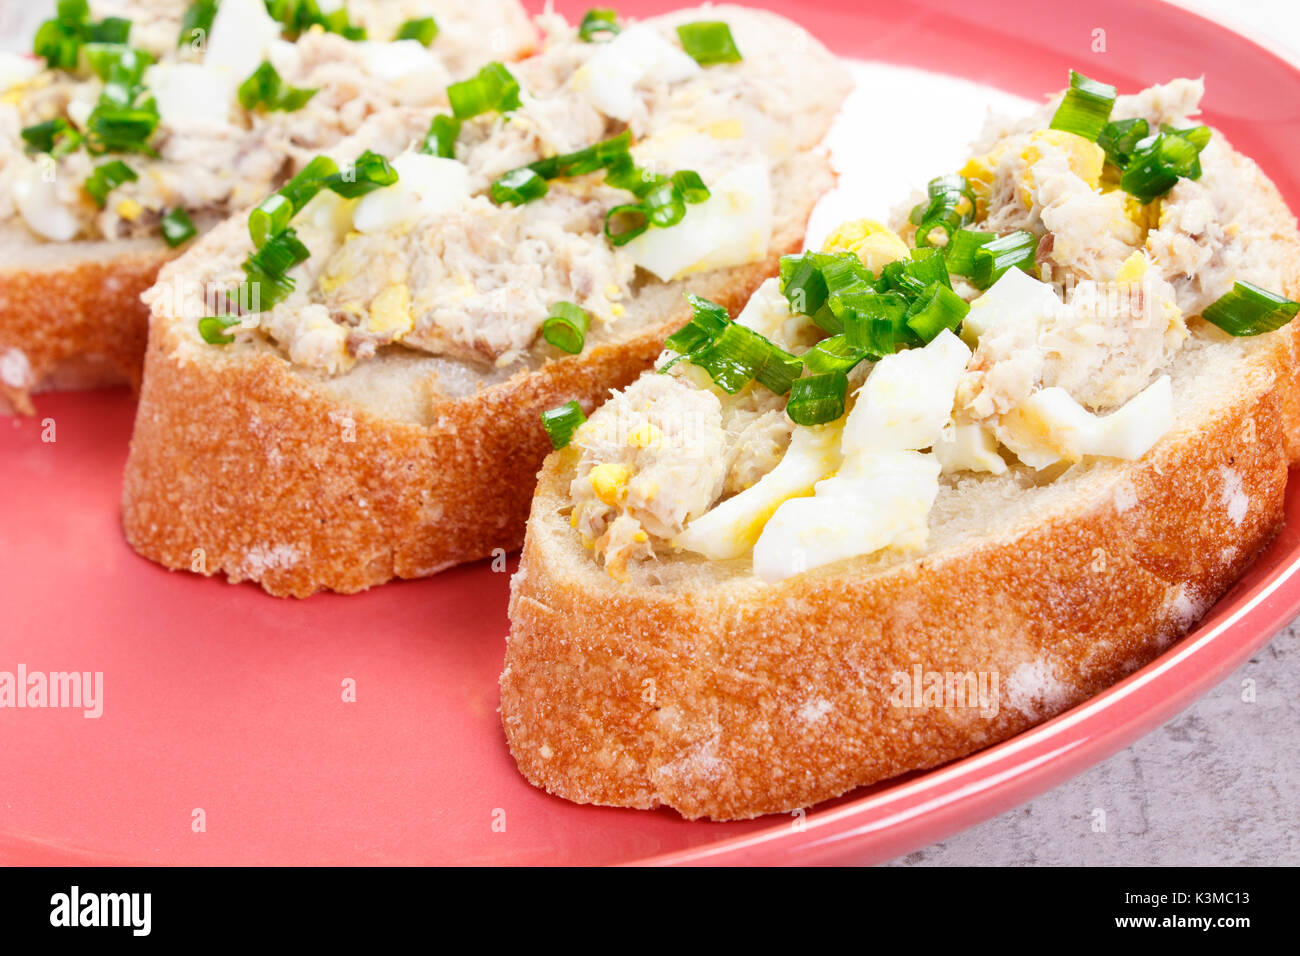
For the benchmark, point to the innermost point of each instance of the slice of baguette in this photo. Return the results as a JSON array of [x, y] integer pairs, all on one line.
[[244, 464], [70, 312], [700, 688]]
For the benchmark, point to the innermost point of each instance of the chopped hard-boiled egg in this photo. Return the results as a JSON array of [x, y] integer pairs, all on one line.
[[37, 199], [16, 68], [730, 529], [241, 33], [768, 313], [968, 447], [426, 186], [390, 311], [907, 399], [1086, 159], [639, 54], [874, 243], [609, 482], [731, 227], [1016, 299], [397, 60], [190, 92], [882, 500], [1050, 426]]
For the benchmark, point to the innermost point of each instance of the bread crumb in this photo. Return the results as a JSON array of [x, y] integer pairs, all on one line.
[[815, 711], [262, 558], [15, 369], [1125, 496], [1034, 689]]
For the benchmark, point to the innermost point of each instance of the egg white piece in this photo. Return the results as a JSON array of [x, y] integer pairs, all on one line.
[[881, 500], [730, 529], [1050, 426], [242, 32], [968, 447], [731, 227], [426, 186], [16, 68], [907, 399], [191, 92], [37, 199], [398, 60], [1016, 299], [639, 54]]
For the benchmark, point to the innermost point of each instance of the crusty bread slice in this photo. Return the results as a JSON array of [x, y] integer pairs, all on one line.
[[245, 464], [700, 688], [70, 312]]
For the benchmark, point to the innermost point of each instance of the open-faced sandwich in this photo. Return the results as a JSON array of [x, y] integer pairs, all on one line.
[[138, 124], [935, 483], [343, 386]]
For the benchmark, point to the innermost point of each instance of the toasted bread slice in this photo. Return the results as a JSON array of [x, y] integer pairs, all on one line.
[[242, 463], [70, 312], [699, 687]]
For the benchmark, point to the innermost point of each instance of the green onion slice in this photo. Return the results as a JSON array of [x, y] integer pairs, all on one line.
[[938, 309], [624, 223], [709, 41], [270, 218], [598, 23], [1249, 310], [560, 423], [961, 249], [817, 399], [177, 227], [606, 154], [734, 357], [691, 186], [1160, 160], [196, 22], [425, 30], [566, 327], [442, 136], [309, 181], [664, 205], [1086, 107], [707, 322], [1120, 137], [836, 353], [996, 256], [494, 89], [518, 186], [265, 90], [57, 137], [106, 178], [281, 253], [213, 329], [369, 172], [120, 64]]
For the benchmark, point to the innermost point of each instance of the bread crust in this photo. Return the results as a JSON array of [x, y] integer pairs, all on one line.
[[240, 467], [736, 699], [78, 322]]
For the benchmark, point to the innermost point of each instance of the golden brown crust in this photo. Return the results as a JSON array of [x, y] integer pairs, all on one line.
[[59, 316], [241, 467], [740, 699]]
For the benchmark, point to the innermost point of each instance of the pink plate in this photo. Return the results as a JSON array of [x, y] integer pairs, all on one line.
[[222, 700]]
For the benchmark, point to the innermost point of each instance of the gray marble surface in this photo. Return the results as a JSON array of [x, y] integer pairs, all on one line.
[[1218, 784]]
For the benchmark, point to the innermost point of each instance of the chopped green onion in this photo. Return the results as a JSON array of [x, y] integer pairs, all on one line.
[[518, 186], [442, 136], [1249, 310], [424, 30], [664, 205], [929, 265], [213, 329], [1159, 161], [707, 322], [494, 89], [1086, 107], [311, 180], [270, 218], [122, 64], [817, 399], [708, 42], [278, 255], [57, 137], [264, 89], [106, 178], [802, 282], [691, 186], [196, 23], [780, 370], [949, 205], [58, 44], [996, 256], [118, 130], [734, 357], [369, 172], [566, 327], [877, 323], [560, 423], [73, 11], [1120, 137], [602, 155], [177, 227], [961, 249], [110, 30], [938, 309], [623, 173], [598, 23], [625, 223], [299, 16], [264, 290], [896, 277], [832, 354]]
